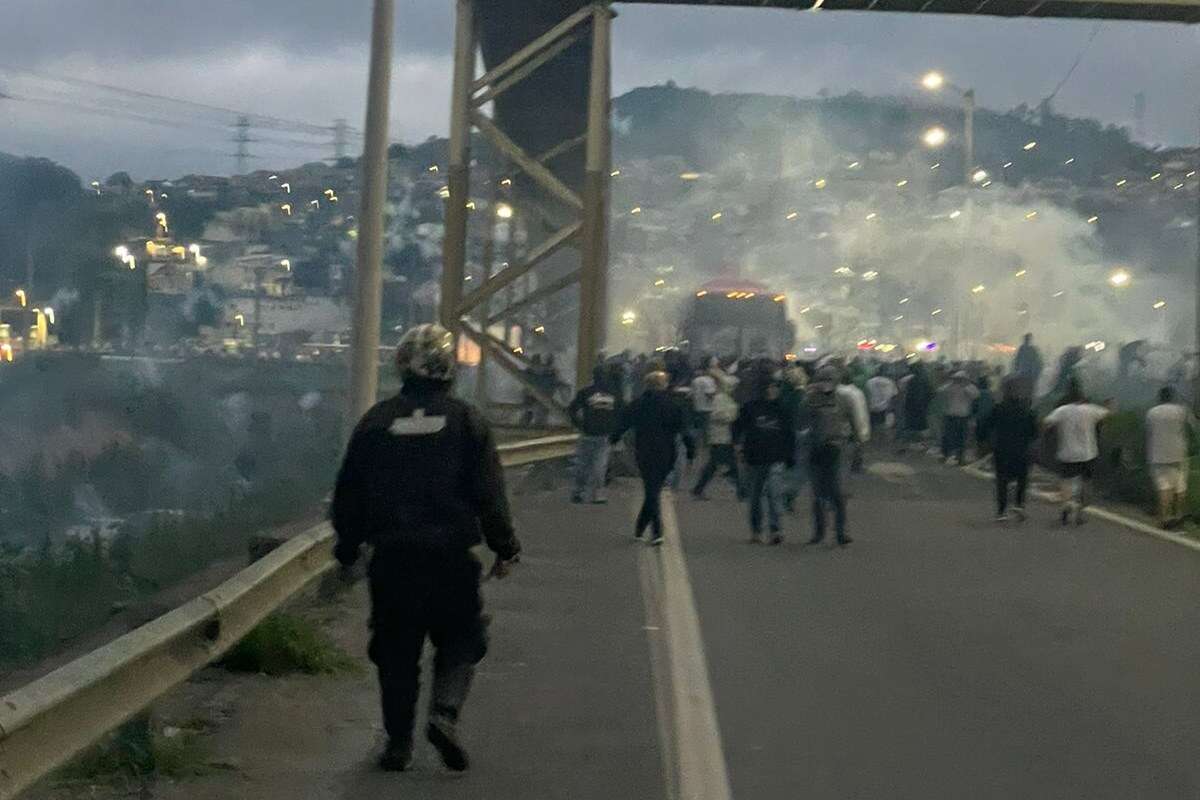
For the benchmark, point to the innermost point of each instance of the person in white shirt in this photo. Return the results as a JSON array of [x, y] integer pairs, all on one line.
[[704, 392], [1167, 427], [862, 421], [1075, 424], [881, 393]]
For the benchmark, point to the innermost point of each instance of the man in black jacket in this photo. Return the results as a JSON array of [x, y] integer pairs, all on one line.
[[421, 483], [596, 411], [765, 432]]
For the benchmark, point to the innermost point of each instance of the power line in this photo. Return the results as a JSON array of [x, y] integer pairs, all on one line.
[[1075, 64]]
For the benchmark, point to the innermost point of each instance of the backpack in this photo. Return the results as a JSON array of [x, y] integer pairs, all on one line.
[[829, 421]]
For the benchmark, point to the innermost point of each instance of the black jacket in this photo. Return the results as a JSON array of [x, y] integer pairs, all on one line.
[[422, 473], [657, 423], [595, 411], [1012, 430], [766, 432]]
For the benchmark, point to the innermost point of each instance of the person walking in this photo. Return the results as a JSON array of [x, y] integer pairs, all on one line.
[[764, 433], [881, 394], [421, 482], [829, 419], [596, 411], [1027, 367], [1168, 426], [958, 397], [918, 394], [704, 391], [860, 432], [1011, 428], [981, 409], [658, 426], [1075, 424], [720, 441]]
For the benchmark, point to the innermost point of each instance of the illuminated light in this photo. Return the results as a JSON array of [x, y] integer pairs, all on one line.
[[1021, 273], [1029, 146], [870, 275], [7, 350], [1177, 186], [821, 183], [628, 316], [504, 211], [333, 199], [49, 312], [716, 216], [871, 216], [985, 184], [816, 6], [121, 252], [793, 215], [806, 309], [151, 248], [519, 350], [1190, 174], [1122, 182], [1160, 305], [979, 175], [955, 214], [1031, 215], [779, 298], [1156, 176], [1007, 164], [287, 187], [272, 177], [506, 181], [934, 137], [901, 184], [933, 81], [178, 250], [329, 193], [201, 261], [897, 318], [935, 166], [660, 282], [1092, 220], [614, 173], [635, 210], [444, 192], [978, 289], [286, 208], [927, 346], [316, 203], [240, 319], [818, 327], [810, 349], [747, 295], [935, 312], [789, 356], [130, 262], [702, 293], [1069, 162], [732, 295], [434, 168], [1119, 278], [903, 300], [21, 297], [689, 176], [843, 271], [1058, 294], [151, 193], [540, 329], [470, 205], [194, 249], [854, 165], [286, 263]]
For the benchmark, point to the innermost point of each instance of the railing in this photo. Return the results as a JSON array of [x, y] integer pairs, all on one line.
[[47, 722]]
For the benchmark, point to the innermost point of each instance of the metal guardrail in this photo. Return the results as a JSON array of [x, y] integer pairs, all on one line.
[[49, 721]]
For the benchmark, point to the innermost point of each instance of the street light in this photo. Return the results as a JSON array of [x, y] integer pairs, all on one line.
[[1120, 278], [504, 211], [934, 137], [121, 252], [934, 82], [628, 317], [21, 298], [979, 175]]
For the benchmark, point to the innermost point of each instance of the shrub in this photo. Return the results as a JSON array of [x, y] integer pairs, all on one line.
[[283, 644]]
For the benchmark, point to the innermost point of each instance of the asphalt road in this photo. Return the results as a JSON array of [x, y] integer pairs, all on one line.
[[939, 656]]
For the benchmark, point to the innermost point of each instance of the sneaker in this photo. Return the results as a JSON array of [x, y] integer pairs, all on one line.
[[1002, 518], [656, 540], [776, 538], [844, 540], [397, 756], [1019, 513], [442, 733], [1066, 517]]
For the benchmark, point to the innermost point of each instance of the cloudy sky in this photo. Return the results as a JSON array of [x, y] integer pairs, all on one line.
[[306, 60]]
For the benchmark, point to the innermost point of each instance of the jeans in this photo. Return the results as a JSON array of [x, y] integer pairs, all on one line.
[[954, 437], [825, 463], [719, 455], [651, 513], [1006, 473], [415, 595], [591, 465], [797, 476], [765, 479]]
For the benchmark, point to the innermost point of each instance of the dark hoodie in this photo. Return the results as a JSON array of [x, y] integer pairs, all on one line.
[[657, 422], [765, 430]]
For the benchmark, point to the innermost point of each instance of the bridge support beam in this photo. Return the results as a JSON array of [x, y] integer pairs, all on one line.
[[454, 248]]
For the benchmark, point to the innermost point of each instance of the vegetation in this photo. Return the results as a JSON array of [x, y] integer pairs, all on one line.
[[136, 751], [283, 644]]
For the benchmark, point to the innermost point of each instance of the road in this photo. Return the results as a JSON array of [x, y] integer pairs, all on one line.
[[940, 655]]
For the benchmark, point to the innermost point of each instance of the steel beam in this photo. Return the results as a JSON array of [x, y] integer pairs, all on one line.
[[512, 363], [532, 49], [548, 180], [562, 148], [539, 254], [593, 279], [540, 293], [454, 246], [525, 70]]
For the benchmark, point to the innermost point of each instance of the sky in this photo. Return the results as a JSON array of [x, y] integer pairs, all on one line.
[[306, 60]]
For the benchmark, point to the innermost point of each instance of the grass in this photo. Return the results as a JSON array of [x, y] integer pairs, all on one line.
[[283, 644], [136, 752]]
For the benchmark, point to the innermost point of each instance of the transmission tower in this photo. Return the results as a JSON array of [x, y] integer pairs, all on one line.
[[340, 138], [241, 138]]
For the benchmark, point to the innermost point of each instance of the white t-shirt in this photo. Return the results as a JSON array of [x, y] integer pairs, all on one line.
[[1166, 434], [704, 389], [858, 402], [881, 391], [1076, 424]]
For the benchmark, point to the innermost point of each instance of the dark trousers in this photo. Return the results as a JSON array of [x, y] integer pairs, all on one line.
[[419, 594], [653, 480], [1008, 471], [954, 437], [826, 469], [719, 455], [766, 486]]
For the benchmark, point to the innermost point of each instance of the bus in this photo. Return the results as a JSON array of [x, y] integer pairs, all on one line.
[[735, 317]]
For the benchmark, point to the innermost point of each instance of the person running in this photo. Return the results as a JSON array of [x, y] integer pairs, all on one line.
[[829, 420], [1075, 424], [720, 441], [596, 411], [421, 482], [958, 397], [881, 394], [658, 425], [1167, 427], [764, 433], [1011, 428], [704, 391]]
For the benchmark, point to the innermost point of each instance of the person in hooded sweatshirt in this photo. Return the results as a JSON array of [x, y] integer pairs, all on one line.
[[830, 420], [764, 432], [658, 424], [1011, 428]]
